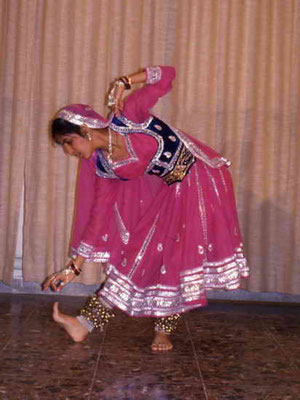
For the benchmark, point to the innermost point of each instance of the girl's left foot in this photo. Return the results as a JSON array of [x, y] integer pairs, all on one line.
[[70, 324], [161, 342]]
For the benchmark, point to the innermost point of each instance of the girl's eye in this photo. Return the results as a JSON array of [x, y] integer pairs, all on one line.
[[67, 142]]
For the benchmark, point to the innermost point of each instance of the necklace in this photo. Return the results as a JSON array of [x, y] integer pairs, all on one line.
[[110, 145]]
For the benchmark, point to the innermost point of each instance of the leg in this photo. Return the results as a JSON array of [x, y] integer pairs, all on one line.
[[93, 315], [163, 328]]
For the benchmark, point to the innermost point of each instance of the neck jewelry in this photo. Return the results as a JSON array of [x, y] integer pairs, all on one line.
[[110, 145]]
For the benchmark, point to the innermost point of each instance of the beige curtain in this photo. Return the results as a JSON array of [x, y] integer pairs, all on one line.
[[237, 88]]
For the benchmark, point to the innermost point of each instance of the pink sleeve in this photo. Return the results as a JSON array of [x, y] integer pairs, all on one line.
[[139, 103], [93, 196]]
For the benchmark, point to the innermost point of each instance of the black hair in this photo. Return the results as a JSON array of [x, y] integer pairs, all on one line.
[[60, 127]]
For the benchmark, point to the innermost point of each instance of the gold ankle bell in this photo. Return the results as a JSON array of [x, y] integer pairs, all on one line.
[[96, 313], [168, 324]]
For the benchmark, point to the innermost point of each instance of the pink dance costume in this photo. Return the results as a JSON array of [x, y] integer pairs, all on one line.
[[164, 220]]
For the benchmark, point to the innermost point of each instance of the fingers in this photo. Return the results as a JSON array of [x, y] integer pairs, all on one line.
[[118, 107], [55, 285], [46, 284], [118, 98], [54, 282], [58, 280], [117, 111]]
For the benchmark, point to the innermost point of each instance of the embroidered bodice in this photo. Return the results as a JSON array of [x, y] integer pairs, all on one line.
[[171, 160]]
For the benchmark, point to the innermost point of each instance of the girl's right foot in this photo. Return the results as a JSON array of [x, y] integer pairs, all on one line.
[[161, 342]]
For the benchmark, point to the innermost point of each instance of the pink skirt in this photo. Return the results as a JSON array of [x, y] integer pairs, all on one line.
[[170, 244]]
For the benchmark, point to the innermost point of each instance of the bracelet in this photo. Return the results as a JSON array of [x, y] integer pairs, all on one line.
[[119, 82], [126, 81], [75, 268], [67, 271]]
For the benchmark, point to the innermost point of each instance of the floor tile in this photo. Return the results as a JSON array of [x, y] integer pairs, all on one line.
[[147, 375], [225, 351], [239, 357]]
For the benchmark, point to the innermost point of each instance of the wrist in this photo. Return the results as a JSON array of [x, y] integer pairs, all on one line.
[[68, 271], [126, 81], [75, 268], [139, 77], [79, 260]]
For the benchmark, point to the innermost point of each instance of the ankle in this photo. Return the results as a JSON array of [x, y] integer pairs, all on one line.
[[95, 313], [88, 325], [167, 325]]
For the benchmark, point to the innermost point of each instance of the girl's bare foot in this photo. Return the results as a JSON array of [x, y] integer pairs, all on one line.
[[161, 342], [70, 324]]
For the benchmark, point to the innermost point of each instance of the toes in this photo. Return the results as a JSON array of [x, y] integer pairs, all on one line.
[[161, 347], [155, 347]]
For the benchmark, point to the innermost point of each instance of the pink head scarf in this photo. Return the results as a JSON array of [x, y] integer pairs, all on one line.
[[81, 114]]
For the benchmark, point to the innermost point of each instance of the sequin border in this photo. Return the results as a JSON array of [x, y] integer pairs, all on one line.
[[153, 74], [132, 127], [163, 300], [143, 128], [94, 256], [216, 162], [78, 119], [124, 234], [143, 249], [110, 166]]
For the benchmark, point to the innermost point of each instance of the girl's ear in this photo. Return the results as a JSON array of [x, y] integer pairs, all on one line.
[[84, 129]]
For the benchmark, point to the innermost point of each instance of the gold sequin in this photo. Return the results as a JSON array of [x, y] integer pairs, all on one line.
[[181, 167], [167, 324], [95, 312]]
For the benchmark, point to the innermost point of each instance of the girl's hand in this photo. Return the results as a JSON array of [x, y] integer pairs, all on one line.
[[58, 280], [119, 102], [115, 98]]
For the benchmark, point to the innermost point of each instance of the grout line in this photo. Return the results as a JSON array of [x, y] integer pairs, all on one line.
[[11, 339], [279, 345], [97, 364], [6, 344], [196, 358]]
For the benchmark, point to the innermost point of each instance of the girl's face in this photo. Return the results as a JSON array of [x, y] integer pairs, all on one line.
[[76, 145]]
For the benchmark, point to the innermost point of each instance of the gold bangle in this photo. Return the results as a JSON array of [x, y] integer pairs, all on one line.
[[126, 81], [68, 270], [75, 268], [119, 82], [129, 80]]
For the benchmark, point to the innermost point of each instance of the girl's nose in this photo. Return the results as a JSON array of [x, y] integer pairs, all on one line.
[[68, 150]]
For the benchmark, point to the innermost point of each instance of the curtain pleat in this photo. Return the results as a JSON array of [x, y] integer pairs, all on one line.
[[237, 89], [16, 81]]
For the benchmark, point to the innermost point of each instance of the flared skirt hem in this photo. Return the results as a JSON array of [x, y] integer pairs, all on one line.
[[159, 300]]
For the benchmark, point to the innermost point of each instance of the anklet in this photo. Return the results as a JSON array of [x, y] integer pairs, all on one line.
[[168, 324], [95, 313], [85, 323]]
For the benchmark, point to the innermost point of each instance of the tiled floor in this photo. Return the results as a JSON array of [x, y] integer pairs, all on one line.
[[225, 351]]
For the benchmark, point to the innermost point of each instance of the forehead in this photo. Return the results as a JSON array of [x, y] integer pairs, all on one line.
[[62, 139]]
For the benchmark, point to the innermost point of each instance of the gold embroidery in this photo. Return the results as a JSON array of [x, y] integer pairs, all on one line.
[[181, 167]]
